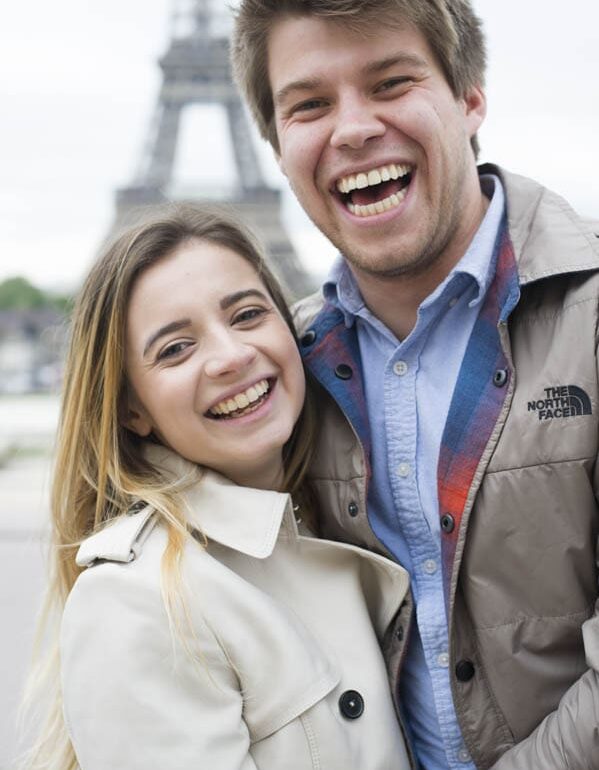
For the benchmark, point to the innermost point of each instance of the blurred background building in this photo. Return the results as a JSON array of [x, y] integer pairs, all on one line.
[[195, 72]]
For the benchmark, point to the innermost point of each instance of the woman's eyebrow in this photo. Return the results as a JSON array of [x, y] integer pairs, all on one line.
[[174, 326], [225, 304], [231, 299]]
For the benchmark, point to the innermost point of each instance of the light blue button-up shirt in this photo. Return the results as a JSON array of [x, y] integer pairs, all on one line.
[[409, 386]]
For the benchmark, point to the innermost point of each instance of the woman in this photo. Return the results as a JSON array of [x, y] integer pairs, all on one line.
[[204, 626]]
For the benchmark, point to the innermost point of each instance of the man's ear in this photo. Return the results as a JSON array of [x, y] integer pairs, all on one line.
[[280, 163], [475, 103], [134, 417]]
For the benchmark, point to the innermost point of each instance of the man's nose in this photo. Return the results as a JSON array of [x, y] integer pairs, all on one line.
[[356, 123], [228, 354]]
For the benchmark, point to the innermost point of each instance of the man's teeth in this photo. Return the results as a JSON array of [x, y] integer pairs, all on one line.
[[367, 179], [241, 400], [377, 208]]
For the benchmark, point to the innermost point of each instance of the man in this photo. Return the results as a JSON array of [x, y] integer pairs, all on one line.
[[457, 334]]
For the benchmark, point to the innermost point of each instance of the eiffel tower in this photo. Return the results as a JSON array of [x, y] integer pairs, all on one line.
[[196, 70]]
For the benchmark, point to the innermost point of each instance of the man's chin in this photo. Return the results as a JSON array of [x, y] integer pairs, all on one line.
[[388, 264]]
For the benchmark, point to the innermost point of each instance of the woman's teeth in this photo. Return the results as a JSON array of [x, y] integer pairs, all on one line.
[[247, 400]]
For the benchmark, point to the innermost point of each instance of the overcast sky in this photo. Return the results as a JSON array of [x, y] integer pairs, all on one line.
[[79, 81]]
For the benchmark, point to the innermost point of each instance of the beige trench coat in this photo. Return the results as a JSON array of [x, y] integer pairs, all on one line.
[[280, 663]]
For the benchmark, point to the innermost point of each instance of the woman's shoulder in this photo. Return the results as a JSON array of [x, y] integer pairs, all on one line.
[[121, 541], [121, 566], [130, 583]]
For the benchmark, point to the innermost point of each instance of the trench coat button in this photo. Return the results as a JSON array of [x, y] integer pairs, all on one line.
[[447, 523], [464, 670], [500, 378], [351, 704], [353, 509], [344, 372], [308, 338]]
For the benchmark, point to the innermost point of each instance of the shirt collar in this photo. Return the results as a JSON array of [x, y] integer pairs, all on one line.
[[341, 288], [241, 518]]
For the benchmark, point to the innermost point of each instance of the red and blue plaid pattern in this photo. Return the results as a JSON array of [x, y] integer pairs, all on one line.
[[335, 344], [476, 401]]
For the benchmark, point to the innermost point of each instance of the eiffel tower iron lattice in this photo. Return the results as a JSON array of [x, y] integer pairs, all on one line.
[[196, 70]]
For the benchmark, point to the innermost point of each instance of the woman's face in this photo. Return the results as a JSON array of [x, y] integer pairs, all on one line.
[[212, 367]]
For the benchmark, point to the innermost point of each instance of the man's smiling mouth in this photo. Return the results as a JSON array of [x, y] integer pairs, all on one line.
[[375, 191], [242, 403]]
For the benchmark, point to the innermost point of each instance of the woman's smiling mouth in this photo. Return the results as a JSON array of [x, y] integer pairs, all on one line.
[[242, 403]]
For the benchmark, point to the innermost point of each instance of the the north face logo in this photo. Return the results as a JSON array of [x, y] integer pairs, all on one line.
[[561, 401]]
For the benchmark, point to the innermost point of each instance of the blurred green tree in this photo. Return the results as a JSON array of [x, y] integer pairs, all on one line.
[[19, 294]]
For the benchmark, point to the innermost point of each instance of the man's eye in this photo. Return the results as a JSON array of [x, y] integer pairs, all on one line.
[[391, 83], [309, 104]]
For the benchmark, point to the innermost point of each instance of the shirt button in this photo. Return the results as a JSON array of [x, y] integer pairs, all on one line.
[[403, 470], [430, 566], [344, 372], [443, 660], [500, 378], [447, 523], [453, 302], [400, 368], [463, 755]]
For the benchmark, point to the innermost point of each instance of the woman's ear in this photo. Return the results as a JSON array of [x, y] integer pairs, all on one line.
[[137, 424], [134, 417]]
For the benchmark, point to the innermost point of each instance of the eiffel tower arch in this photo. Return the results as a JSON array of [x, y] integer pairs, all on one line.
[[196, 70]]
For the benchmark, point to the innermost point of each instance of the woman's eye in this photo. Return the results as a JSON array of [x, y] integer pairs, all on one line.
[[249, 314], [172, 350]]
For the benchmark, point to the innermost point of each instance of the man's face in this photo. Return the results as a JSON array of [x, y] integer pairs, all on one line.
[[375, 145]]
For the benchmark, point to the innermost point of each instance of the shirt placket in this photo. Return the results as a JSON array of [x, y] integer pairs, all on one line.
[[401, 419]]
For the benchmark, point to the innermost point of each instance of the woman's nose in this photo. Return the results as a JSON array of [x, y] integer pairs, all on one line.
[[228, 354]]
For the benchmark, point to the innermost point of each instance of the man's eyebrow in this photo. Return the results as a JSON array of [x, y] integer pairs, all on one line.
[[174, 326], [409, 59], [309, 84], [232, 299], [380, 65]]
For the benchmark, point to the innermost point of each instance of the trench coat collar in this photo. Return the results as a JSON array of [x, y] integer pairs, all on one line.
[[241, 518]]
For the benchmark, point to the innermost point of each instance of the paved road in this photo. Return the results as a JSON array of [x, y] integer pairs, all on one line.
[[27, 425]]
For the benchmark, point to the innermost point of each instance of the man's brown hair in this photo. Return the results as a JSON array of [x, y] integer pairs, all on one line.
[[451, 28]]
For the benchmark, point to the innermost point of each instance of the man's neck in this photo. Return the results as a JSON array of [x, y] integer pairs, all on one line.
[[395, 300]]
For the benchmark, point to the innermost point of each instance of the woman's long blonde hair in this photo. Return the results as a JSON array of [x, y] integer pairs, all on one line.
[[99, 469]]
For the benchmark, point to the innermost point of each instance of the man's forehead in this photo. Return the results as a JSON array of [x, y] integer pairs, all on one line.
[[323, 41]]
